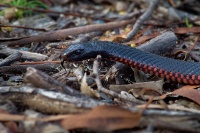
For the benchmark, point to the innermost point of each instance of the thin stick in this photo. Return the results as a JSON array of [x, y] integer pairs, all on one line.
[[109, 92], [62, 34], [147, 14]]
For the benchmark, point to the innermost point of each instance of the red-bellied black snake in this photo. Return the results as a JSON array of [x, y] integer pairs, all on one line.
[[170, 69]]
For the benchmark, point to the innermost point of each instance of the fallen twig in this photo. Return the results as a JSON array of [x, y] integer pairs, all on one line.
[[47, 101], [81, 39], [25, 54], [141, 20], [16, 69], [109, 92], [10, 59], [34, 76], [23, 27], [62, 34]]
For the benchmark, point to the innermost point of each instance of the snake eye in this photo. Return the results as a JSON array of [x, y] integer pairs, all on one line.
[[78, 52]]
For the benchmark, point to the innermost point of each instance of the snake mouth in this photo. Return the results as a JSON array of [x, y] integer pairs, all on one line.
[[63, 59], [62, 63]]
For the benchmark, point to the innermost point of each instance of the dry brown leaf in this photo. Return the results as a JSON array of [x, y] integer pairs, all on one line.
[[103, 118], [85, 89], [138, 39], [12, 126], [11, 117], [184, 30], [143, 39], [113, 38], [189, 92]]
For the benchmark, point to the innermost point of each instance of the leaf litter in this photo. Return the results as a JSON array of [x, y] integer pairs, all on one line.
[[110, 96]]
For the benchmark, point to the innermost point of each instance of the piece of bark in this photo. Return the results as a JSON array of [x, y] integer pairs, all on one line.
[[25, 54], [10, 59], [46, 67], [161, 45], [42, 80], [47, 101]]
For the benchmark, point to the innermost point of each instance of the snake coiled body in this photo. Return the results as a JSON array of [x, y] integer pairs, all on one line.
[[170, 69]]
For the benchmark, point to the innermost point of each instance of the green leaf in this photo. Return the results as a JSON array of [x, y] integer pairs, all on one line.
[[188, 24], [27, 4]]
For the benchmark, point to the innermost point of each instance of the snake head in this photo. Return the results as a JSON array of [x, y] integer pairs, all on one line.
[[82, 51], [75, 52], [78, 52]]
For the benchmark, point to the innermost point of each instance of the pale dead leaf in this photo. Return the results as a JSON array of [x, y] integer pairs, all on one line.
[[189, 92], [103, 118], [136, 88], [113, 38], [85, 89], [10, 12]]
